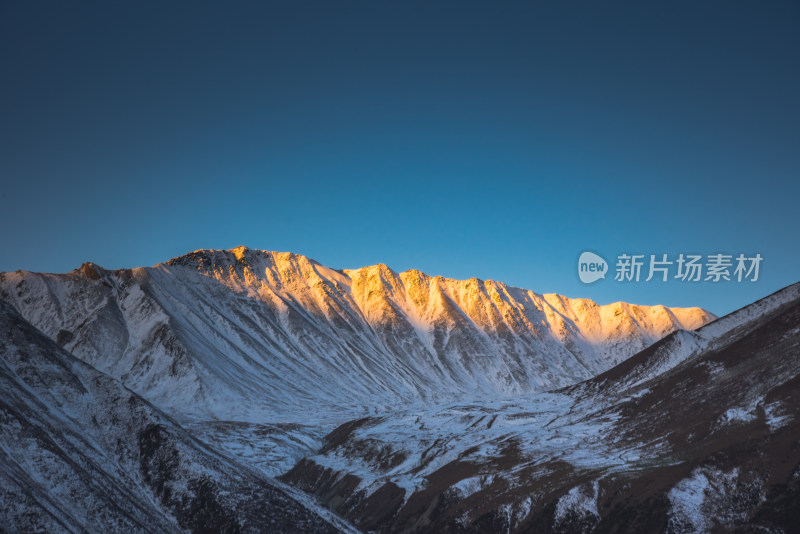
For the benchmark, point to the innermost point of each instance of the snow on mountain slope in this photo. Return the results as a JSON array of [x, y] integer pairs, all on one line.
[[681, 347], [81, 453], [256, 335], [698, 432]]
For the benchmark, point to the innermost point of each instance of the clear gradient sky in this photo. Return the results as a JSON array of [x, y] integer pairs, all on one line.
[[496, 140]]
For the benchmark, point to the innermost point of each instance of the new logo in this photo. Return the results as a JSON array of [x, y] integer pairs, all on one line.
[[591, 267]]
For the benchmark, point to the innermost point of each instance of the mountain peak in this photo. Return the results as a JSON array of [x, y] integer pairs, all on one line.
[[211, 259], [91, 270]]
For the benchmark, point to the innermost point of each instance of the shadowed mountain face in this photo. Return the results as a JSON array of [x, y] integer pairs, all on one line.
[[253, 335], [699, 432], [79, 452]]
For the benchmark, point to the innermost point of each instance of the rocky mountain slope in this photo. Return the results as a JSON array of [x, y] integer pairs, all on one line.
[[697, 433], [250, 335], [81, 453]]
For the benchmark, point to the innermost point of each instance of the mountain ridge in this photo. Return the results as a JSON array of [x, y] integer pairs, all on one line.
[[230, 326], [183, 259]]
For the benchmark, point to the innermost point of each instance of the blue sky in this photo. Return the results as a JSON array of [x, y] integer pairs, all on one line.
[[463, 139]]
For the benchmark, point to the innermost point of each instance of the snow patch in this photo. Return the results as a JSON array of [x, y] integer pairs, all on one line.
[[580, 501], [468, 486], [776, 416], [711, 498], [686, 500]]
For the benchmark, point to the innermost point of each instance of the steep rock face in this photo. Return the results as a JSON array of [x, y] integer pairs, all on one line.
[[79, 452], [242, 333], [696, 433]]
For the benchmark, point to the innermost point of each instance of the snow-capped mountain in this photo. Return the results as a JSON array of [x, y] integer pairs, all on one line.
[[697, 433], [253, 335], [258, 391]]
